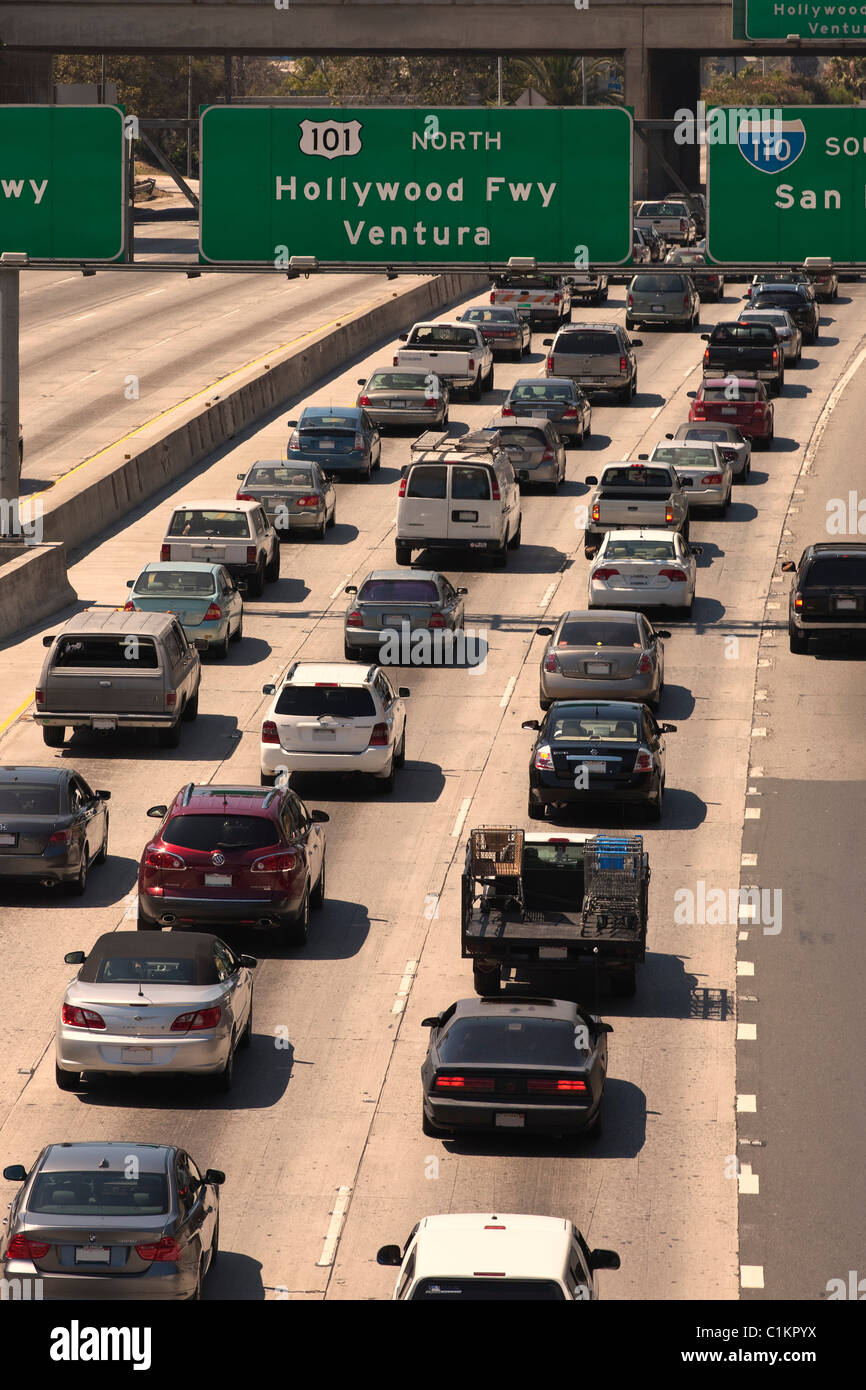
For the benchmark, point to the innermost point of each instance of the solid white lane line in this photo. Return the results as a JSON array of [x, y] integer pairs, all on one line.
[[340, 587], [404, 987], [512, 681], [548, 595], [463, 813], [329, 1249], [91, 315]]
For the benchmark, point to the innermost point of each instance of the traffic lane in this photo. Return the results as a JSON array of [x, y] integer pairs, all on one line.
[[805, 1232], [94, 569], [134, 347], [363, 493]]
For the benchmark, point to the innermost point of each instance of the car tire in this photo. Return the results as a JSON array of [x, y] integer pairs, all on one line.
[[142, 924], [487, 983], [629, 322], [403, 555], [378, 464], [655, 807], [487, 384], [476, 388], [428, 1128], [500, 556], [53, 737], [535, 812], [544, 702], [595, 1129], [296, 929], [322, 531], [190, 709], [385, 785], [215, 1247], [272, 572], [352, 653], [514, 543], [101, 857], [400, 753], [257, 581], [267, 779], [247, 1035], [170, 737], [66, 1080], [77, 886], [797, 641], [317, 896], [223, 1081], [333, 521]]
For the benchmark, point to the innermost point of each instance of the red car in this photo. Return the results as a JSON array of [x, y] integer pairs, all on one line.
[[739, 401], [249, 856]]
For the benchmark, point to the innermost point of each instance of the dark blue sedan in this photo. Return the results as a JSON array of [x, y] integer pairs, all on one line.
[[340, 439]]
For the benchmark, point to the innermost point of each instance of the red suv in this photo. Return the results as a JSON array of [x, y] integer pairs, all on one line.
[[241, 855], [740, 401]]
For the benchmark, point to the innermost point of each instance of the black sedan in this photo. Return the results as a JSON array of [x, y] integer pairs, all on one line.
[[514, 1063], [52, 826], [590, 753]]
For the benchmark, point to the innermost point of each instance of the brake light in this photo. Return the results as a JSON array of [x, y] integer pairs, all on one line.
[[685, 301], [269, 732], [81, 1018], [550, 662], [562, 1083], [675, 576], [644, 761], [39, 696], [550, 363], [170, 699], [464, 1083], [506, 410], [165, 552], [758, 409], [244, 497], [623, 364], [396, 361], [472, 364], [60, 837], [282, 863], [595, 511], [645, 665], [698, 411], [354, 619], [311, 500], [213, 614], [494, 490], [197, 1020], [630, 301], [129, 606], [22, 1247], [492, 296], [775, 356], [436, 620], [163, 1251], [162, 859], [798, 602], [571, 413], [605, 572], [251, 555], [379, 736], [706, 356], [556, 298], [547, 456], [364, 400], [543, 758], [711, 478], [359, 441], [683, 225], [430, 402], [295, 443], [401, 491], [669, 514]]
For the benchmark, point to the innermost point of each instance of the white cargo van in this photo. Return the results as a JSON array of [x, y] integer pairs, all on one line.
[[459, 494]]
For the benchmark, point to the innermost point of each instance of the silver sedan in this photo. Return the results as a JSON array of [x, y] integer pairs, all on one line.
[[295, 496], [734, 446], [787, 331], [146, 1003], [535, 447], [704, 473], [393, 602], [404, 398], [610, 656]]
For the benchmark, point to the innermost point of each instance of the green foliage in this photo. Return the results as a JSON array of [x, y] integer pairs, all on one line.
[[777, 88]]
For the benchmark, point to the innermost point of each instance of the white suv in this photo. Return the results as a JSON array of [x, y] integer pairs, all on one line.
[[235, 534], [334, 717]]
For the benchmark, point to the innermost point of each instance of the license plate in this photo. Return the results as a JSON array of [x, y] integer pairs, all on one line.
[[105, 724], [326, 443], [552, 952], [466, 516], [136, 1054], [729, 410], [842, 604], [638, 579], [598, 668], [8, 839], [510, 1121], [218, 880], [399, 405], [92, 1255], [658, 308], [325, 735], [477, 545], [594, 766], [394, 619]]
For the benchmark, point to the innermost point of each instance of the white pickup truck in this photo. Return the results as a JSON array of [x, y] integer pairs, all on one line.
[[671, 219], [455, 352], [546, 298]]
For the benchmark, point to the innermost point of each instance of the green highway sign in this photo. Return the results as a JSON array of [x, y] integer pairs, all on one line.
[[776, 19], [403, 186], [62, 170], [788, 187]]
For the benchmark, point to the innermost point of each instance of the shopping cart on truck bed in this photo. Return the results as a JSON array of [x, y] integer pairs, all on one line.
[[495, 862], [613, 882]]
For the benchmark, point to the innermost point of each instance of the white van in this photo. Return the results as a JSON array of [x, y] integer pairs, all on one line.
[[459, 494]]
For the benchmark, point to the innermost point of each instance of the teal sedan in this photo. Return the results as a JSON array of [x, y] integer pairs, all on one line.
[[204, 597]]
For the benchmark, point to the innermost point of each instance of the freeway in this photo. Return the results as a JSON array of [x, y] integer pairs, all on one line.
[[105, 354], [325, 1111]]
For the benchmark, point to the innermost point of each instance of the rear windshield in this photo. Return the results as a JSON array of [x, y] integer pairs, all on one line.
[[176, 583], [715, 434], [541, 394], [663, 210], [282, 476], [312, 419], [686, 458], [97, 653], [588, 341], [779, 320], [540, 1041], [469, 484], [636, 476], [192, 521], [754, 332], [521, 439], [220, 832], [490, 315], [659, 284], [428, 480], [21, 800], [397, 381], [527, 282], [686, 258], [444, 335], [488, 1290], [343, 701], [123, 970], [566, 727], [720, 393], [640, 550], [100, 1194], [398, 590], [837, 571], [789, 299], [595, 632]]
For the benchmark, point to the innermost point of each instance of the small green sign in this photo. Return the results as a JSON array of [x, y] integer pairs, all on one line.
[[399, 186], [776, 19], [788, 188], [62, 194]]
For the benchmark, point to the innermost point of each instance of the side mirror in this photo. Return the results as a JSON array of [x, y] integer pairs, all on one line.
[[637, 342], [661, 632], [788, 566], [403, 337], [103, 796], [591, 479], [249, 961], [643, 456], [404, 692], [389, 1255], [47, 641], [431, 1022], [463, 591], [692, 395], [667, 728], [16, 1172], [361, 381], [705, 337], [156, 812], [240, 477], [530, 724], [696, 549], [547, 342], [129, 583], [269, 689], [590, 552], [544, 631], [241, 586], [292, 424], [604, 1027], [604, 1259], [350, 589], [215, 1176], [74, 958], [320, 817], [668, 436]]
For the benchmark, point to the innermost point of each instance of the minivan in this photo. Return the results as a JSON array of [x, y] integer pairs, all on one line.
[[459, 494]]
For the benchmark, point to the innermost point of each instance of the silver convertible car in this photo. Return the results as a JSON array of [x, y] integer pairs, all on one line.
[[104, 1220]]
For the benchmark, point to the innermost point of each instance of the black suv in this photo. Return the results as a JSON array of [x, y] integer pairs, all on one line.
[[798, 301], [828, 594]]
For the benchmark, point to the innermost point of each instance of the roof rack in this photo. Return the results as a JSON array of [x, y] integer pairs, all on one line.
[[475, 442]]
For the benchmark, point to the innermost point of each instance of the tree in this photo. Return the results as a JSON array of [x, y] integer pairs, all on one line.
[[849, 74], [561, 80], [752, 88]]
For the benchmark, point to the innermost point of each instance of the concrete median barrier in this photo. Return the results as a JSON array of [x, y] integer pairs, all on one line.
[[33, 583]]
